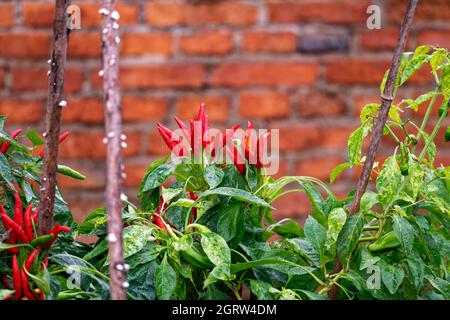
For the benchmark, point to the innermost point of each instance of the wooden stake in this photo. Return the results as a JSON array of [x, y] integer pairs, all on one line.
[[386, 101], [55, 103], [115, 141]]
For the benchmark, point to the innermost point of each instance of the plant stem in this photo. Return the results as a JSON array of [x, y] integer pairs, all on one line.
[[426, 117], [435, 131], [53, 117], [393, 134]]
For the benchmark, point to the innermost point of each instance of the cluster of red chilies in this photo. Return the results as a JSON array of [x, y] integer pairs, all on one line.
[[198, 136], [21, 231]]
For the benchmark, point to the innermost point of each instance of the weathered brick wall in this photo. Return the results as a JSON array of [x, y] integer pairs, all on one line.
[[304, 66]]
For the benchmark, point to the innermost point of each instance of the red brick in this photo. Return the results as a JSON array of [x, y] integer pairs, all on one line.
[[84, 44], [277, 42], [207, 43], [137, 109], [351, 11], [355, 70], [22, 111], [265, 73], [2, 77], [140, 44], [29, 79], [226, 12], [335, 137], [430, 10], [438, 38], [88, 110], [381, 39], [95, 179], [318, 167], [320, 104], [263, 105], [25, 45], [163, 76], [135, 173], [89, 145], [217, 106], [42, 14], [292, 205], [6, 15], [297, 137]]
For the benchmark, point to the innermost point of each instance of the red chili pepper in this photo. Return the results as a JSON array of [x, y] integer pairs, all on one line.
[[11, 224], [183, 127], [6, 145], [26, 286], [28, 223], [194, 197], [12, 235], [8, 297], [31, 258], [158, 221], [18, 210], [61, 138], [16, 278], [166, 135], [55, 232]]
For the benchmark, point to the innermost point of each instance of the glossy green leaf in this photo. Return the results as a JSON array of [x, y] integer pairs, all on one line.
[[5, 171], [315, 233], [216, 248], [237, 194], [34, 138], [336, 221], [404, 232], [157, 177], [388, 181], [165, 280], [338, 170], [391, 275], [349, 236], [213, 176]]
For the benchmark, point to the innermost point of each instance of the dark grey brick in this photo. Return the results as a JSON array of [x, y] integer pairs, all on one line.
[[323, 43]]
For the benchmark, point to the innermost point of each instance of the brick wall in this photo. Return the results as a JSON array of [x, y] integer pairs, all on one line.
[[304, 66]]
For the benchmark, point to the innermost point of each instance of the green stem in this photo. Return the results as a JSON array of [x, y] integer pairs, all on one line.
[[426, 117], [393, 134], [435, 130]]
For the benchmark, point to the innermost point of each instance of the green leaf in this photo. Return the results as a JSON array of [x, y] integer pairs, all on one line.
[[99, 249], [355, 143], [216, 249], [349, 236], [135, 238], [416, 268], [368, 113], [394, 115], [413, 65], [317, 203], [261, 289], [368, 200], [392, 276], [305, 249], [4, 293], [165, 280], [169, 193], [388, 181], [447, 134], [367, 259], [338, 170], [431, 150], [441, 285], [157, 177], [336, 221], [2, 124], [445, 82], [213, 176], [289, 230], [34, 138], [237, 194], [315, 233], [404, 232], [231, 222], [5, 171]]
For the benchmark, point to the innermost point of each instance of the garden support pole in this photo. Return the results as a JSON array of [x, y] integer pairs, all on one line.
[[115, 140], [386, 101], [55, 103]]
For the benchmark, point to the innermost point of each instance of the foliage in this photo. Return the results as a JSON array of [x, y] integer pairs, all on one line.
[[204, 229]]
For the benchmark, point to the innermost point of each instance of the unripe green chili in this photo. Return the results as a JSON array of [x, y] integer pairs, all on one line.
[[70, 172], [41, 240], [385, 242], [194, 256]]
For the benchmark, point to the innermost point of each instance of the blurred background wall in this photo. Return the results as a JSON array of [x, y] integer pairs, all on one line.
[[305, 67]]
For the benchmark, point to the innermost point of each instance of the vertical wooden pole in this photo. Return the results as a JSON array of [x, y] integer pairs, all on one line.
[[377, 132], [55, 103], [115, 141]]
